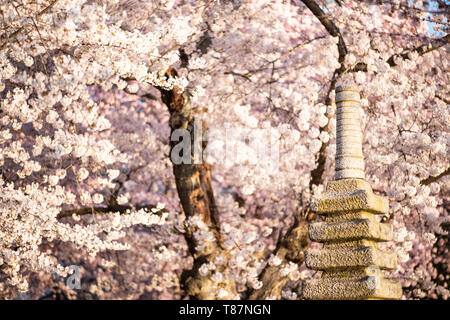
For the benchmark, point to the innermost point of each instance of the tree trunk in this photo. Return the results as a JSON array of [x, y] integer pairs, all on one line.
[[196, 195]]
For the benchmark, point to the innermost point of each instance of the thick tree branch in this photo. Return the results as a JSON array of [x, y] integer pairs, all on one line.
[[420, 50], [329, 25], [432, 179], [333, 30], [193, 181]]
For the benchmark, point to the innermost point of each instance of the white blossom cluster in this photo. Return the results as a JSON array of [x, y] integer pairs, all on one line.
[[53, 144]]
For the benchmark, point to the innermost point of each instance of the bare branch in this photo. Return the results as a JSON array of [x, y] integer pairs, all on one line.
[[13, 35], [442, 98], [329, 25]]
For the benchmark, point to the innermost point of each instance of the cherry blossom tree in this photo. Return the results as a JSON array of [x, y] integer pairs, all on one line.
[[94, 95]]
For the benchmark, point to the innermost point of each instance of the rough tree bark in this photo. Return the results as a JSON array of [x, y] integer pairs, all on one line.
[[193, 182]]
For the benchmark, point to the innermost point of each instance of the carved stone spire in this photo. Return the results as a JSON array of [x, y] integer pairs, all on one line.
[[349, 157]]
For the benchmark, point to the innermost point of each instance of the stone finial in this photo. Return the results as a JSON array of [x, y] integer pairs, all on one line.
[[350, 260], [349, 157]]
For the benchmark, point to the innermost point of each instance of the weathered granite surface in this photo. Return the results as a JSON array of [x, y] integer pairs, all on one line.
[[350, 260]]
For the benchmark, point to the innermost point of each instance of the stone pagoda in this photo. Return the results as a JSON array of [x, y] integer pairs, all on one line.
[[350, 259]]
